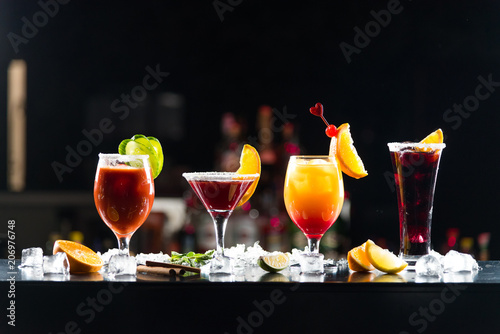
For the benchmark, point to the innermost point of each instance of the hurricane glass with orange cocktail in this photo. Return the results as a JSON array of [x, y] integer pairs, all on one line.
[[314, 195]]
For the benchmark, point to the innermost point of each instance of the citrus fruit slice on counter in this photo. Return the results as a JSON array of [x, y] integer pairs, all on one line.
[[81, 258], [274, 263], [249, 164], [349, 160], [435, 137], [357, 259], [383, 259]]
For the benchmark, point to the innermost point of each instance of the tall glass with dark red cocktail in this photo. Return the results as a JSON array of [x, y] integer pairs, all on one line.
[[415, 172], [123, 194]]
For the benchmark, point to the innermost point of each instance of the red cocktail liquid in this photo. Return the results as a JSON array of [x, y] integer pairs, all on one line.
[[220, 197], [415, 173], [124, 197]]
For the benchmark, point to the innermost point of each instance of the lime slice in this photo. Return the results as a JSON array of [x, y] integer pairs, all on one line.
[[142, 145], [123, 145], [159, 152], [274, 263], [135, 148]]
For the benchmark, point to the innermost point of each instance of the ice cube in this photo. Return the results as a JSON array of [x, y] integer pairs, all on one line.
[[454, 261], [220, 265], [56, 264], [311, 263], [429, 265], [157, 257], [32, 257], [32, 273], [122, 264]]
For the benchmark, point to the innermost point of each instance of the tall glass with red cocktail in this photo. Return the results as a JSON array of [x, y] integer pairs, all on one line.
[[415, 172], [123, 194]]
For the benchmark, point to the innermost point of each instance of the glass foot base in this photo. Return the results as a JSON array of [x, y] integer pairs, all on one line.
[[311, 263], [221, 265]]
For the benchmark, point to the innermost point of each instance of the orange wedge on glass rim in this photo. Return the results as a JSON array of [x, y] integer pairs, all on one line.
[[342, 146], [435, 137], [249, 164], [81, 258]]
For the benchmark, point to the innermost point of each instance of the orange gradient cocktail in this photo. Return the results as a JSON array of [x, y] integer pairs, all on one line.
[[314, 195]]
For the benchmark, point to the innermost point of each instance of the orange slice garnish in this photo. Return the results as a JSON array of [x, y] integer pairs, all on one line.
[[249, 164], [435, 137], [349, 160], [81, 258], [357, 259]]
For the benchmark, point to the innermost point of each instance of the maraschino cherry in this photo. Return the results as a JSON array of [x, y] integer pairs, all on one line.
[[317, 110]]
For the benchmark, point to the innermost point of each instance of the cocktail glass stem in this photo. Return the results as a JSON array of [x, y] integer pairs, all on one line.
[[220, 223], [124, 243], [313, 244]]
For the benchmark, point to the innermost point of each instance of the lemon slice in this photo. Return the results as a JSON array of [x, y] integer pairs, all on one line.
[[349, 160], [383, 259], [435, 137], [357, 259], [274, 263], [81, 258], [249, 164]]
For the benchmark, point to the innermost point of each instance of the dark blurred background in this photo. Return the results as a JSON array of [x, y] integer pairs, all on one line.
[[394, 81]]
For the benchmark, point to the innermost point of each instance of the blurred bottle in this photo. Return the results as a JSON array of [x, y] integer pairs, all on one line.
[[452, 235], [483, 241], [243, 225], [229, 149]]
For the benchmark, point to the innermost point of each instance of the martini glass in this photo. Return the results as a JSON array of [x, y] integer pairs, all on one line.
[[124, 194], [220, 192]]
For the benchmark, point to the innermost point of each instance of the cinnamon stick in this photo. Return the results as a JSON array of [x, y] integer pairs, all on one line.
[[161, 270]]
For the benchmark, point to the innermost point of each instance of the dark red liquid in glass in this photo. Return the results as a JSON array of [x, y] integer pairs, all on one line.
[[415, 176], [220, 197], [123, 197]]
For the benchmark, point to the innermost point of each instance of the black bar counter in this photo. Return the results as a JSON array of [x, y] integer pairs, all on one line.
[[338, 302]]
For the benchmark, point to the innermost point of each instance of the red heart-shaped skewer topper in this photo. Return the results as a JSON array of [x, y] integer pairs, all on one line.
[[317, 110]]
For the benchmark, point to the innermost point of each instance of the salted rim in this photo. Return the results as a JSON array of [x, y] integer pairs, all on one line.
[[394, 147], [218, 176], [123, 156]]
